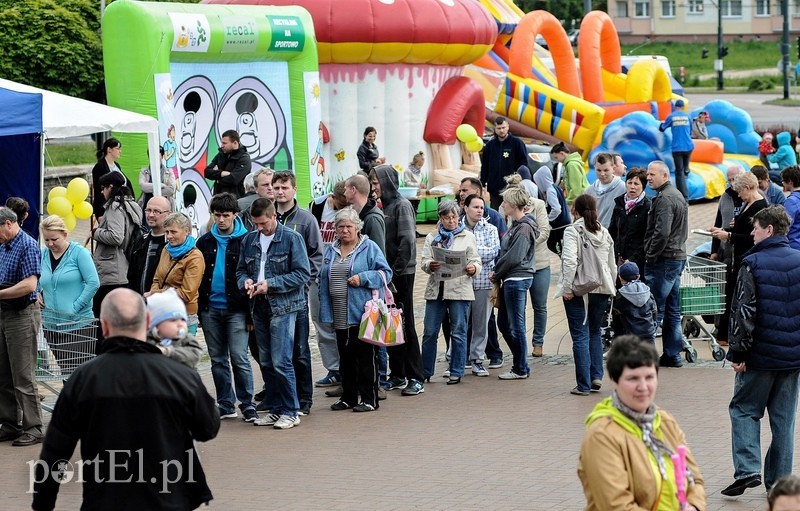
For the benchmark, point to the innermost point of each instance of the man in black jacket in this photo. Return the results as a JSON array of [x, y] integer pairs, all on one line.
[[144, 260], [230, 166], [223, 310], [501, 157], [136, 413]]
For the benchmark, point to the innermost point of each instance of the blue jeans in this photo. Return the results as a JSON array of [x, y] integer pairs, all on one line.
[[511, 322], [275, 347], [587, 345], [538, 292], [226, 338], [753, 392], [664, 279], [301, 359], [434, 315]]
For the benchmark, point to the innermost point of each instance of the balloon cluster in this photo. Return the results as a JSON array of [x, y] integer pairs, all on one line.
[[70, 203], [467, 134]]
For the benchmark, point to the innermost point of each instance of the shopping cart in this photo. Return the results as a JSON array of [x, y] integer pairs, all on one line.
[[702, 293], [65, 342]]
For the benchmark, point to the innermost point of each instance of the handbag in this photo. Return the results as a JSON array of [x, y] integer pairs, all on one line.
[[382, 322], [496, 295], [589, 275]]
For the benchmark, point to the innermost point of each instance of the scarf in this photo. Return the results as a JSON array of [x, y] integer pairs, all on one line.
[[444, 238], [182, 249], [657, 447], [631, 203]]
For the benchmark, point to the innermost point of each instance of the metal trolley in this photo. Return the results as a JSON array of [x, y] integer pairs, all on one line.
[[702, 294], [65, 342]]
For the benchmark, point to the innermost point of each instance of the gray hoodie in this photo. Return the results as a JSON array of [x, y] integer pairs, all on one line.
[[605, 195], [636, 309], [544, 181], [401, 222]]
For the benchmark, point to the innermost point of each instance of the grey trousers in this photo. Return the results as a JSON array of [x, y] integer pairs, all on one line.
[[18, 392], [326, 335], [481, 308]]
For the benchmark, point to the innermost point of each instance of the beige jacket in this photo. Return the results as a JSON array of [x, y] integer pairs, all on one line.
[[459, 288], [571, 252], [615, 469]]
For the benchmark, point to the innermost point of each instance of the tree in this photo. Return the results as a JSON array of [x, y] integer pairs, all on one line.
[[570, 12]]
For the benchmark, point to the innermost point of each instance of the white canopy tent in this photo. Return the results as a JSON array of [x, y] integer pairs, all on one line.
[[64, 116]]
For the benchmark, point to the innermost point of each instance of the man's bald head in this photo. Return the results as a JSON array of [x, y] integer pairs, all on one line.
[[123, 313], [156, 211]]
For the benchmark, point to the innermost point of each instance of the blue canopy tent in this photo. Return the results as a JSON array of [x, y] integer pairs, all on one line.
[[21, 152]]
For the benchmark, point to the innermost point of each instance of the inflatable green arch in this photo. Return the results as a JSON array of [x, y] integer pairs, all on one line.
[[204, 69]]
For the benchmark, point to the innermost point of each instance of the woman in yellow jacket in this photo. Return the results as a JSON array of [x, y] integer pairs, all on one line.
[[181, 266], [625, 461]]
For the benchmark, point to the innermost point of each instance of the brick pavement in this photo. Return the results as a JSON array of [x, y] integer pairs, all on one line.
[[484, 444]]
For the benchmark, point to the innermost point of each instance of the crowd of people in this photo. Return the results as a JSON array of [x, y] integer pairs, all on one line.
[[268, 267]]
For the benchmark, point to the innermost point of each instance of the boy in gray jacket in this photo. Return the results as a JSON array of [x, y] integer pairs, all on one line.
[[168, 328]]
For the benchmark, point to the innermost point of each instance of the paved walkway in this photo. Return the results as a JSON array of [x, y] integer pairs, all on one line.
[[484, 444]]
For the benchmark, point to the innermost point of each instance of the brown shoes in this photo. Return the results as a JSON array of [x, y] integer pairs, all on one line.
[[537, 351], [26, 439], [334, 392]]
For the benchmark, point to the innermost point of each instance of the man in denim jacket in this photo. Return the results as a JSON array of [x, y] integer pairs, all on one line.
[[274, 270]]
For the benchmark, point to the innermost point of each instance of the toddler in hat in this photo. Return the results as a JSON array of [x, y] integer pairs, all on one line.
[[168, 329], [634, 305]]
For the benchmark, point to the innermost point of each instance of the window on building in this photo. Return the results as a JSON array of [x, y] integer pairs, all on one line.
[[762, 7], [668, 8], [696, 7], [622, 9], [731, 8], [641, 9]]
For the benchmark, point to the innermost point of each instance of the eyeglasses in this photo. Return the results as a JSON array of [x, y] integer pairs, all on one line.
[[154, 211]]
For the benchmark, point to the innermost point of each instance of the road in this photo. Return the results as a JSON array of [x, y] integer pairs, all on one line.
[[764, 116]]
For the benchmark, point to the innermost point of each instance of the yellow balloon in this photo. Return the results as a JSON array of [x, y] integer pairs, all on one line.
[[475, 145], [466, 133], [77, 190], [70, 221], [82, 210], [58, 191], [59, 206]]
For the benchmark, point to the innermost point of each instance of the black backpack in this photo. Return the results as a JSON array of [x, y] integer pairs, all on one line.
[[137, 233]]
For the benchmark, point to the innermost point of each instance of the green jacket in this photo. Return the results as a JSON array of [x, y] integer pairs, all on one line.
[[574, 177]]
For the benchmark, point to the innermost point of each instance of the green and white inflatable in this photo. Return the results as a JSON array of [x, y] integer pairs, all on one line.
[[205, 69]]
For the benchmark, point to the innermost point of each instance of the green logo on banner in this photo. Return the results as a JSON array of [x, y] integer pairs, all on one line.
[[240, 34], [287, 33]]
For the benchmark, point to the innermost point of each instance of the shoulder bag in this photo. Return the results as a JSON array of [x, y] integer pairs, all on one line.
[[589, 275]]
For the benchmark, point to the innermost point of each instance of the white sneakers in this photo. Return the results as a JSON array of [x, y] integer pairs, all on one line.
[[278, 421]]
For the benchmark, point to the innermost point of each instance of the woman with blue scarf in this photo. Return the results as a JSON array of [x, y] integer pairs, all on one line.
[[181, 266], [454, 295]]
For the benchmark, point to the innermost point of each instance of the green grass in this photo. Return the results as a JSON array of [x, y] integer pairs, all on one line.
[[59, 155], [783, 102], [741, 55]]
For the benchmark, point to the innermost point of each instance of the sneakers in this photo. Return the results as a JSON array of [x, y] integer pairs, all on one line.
[[665, 361], [227, 415], [576, 392], [511, 375], [260, 395], [395, 382], [250, 415], [286, 422], [305, 409], [267, 420], [496, 363], [597, 385], [468, 365], [262, 407], [537, 351], [331, 380], [413, 388], [478, 369], [340, 405], [446, 373], [363, 407], [381, 393], [740, 485]]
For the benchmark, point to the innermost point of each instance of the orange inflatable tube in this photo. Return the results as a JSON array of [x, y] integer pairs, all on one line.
[[521, 55], [597, 43], [459, 101], [708, 151]]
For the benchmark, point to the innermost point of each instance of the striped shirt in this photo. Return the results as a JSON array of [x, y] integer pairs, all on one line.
[[340, 268], [19, 259]]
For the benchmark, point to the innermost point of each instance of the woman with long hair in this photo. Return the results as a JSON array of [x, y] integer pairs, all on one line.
[[107, 158], [113, 234], [585, 314]]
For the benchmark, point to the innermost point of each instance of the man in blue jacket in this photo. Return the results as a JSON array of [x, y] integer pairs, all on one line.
[[223, 309], [274, 270], [682, 144], [765, 353]]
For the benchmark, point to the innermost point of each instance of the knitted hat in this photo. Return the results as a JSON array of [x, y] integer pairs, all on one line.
[[165, 305], [628, 271]]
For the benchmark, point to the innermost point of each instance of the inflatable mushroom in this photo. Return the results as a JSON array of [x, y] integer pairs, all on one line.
[[396, 65]]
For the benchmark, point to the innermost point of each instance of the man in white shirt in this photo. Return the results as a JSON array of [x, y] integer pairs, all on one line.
[[606, 187]]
